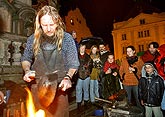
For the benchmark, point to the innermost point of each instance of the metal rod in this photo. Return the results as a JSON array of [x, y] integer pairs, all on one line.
[[103, 100]]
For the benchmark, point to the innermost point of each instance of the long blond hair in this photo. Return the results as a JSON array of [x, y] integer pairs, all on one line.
[[59, 34], [97, 53]]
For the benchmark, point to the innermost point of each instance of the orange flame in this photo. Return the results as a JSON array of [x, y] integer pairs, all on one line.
[[31, 112]]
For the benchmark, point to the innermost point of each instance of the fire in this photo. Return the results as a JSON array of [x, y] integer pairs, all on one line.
[[31, 112]]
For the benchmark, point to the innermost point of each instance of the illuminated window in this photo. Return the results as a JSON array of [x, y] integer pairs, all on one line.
[[72, 21], [124, 50], [145, 33], [124, 37], [141, 48], [142, 21]]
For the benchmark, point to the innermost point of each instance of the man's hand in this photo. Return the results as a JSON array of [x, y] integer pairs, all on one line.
[[29, 76], [65, 84], [114, 74], [142, 103]]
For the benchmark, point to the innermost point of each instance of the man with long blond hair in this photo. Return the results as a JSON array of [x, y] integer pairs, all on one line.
[[51, 53]]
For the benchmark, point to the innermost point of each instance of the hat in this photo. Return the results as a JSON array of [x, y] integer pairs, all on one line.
[[151, 64]]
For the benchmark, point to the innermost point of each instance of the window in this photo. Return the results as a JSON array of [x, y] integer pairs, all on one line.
[[141, 33], [141, 48], [145, 33], [148, 33], [124, 37], [142, 21], [124, 50]]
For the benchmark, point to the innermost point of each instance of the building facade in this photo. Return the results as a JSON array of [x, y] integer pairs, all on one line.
[[16, 24], [139, 32], [75, 21]]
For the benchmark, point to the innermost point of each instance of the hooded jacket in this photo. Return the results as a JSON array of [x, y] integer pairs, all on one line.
[[151, 87]]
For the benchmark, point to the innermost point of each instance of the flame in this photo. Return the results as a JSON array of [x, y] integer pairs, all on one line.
[[31, 112]]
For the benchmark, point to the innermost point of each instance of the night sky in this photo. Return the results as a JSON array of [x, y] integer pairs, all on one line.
[[100, 14]]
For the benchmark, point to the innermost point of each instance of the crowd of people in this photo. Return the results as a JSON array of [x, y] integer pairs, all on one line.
[[142, 77], [56, 56]]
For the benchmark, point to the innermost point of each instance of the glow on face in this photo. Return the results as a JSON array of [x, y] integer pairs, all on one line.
[[149, 69], [74, 35], [94, 50], [152, 49], [82, 48], [48, 25], [101, 47], [130, 52], [110, 58]]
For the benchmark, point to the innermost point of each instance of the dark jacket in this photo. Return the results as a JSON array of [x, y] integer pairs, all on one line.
[[151, 88], [85, 67]]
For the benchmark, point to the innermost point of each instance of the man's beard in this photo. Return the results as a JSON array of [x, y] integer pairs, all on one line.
[[49, 39]]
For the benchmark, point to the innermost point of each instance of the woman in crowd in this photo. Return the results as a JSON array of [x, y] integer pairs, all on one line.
[[130, 71], [94, 76]]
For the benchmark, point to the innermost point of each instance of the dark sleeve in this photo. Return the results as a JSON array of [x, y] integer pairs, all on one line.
[[161, 87], [105, 67], [70, 53], [90, 64], [140, 89], [28, 52]]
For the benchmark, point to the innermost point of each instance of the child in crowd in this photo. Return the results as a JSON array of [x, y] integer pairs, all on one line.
[[151, 88], [111, 83]]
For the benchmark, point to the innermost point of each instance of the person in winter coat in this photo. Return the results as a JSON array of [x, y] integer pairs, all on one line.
[[82, 87], [151, 54], [74, 35], [103, 57], [130, 71], [111, 82], [94, 76], [151, 88], [160, 64], [160, 61]]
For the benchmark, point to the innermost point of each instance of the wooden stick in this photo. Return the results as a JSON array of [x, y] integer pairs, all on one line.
[[22, 109], [103, 100], [8, 113], [4, 112]]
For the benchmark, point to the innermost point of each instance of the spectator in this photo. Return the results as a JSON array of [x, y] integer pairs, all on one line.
[[152, 53], [160, 61], [82, 87], [160, 64], [111, 83], [74, 35], [94, 76], [103, 53], [151, 88], [103, 57], [130, 71]]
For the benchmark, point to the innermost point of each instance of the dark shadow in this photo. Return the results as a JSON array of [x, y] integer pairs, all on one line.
[[1, 24]]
